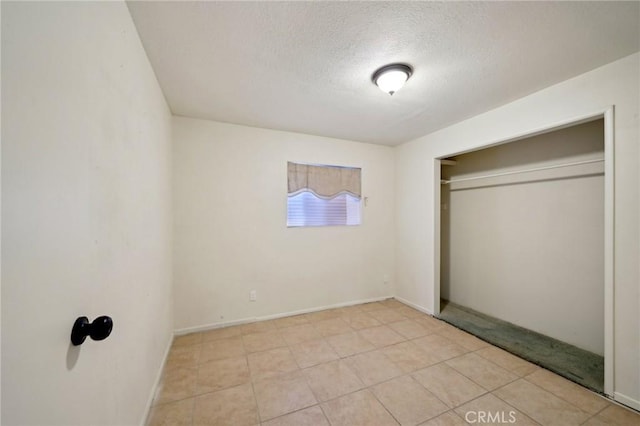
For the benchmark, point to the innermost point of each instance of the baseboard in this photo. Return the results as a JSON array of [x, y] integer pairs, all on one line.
[[626, 400], [322, 308], [156, 384], [213, 326], [414, 306]]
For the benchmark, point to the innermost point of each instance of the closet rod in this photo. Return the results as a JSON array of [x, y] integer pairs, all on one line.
[[556, 166]]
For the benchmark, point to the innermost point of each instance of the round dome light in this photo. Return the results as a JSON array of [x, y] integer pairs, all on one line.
[[391, 78]]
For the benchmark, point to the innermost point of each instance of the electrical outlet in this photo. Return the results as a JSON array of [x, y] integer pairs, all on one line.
[[253, 296], [385, 278]]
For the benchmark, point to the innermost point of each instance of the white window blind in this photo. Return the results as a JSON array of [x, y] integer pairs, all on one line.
[[323, 195]]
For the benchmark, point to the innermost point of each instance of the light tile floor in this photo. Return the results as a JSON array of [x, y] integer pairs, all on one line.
[[374, 364]]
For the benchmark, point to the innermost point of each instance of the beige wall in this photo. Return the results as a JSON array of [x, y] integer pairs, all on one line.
[[86, 215], [230, 198], [614, 84], [514, 243]]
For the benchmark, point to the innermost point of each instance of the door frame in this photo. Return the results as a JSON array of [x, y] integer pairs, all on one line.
[[609, 224]]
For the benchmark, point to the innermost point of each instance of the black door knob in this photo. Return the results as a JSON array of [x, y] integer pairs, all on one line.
[[99, 329]]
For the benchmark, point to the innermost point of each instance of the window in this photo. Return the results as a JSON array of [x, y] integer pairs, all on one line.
[[323, 195]]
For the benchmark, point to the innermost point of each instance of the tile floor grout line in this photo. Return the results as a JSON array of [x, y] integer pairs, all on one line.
[[325, 339], [408, 374], [252, 380], [294, 411], [474, 381], [384, 406], [193, 409], [511, 405], [324, 414], [589, 419], [431, 393], [544, 390], [255, 398], [580, 387], [515, 408], [557, 396]]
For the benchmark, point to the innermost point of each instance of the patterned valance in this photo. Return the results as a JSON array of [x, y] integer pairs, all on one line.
[[323, 181]]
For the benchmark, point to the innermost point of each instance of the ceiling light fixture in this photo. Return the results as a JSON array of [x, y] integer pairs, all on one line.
[[391, 78]]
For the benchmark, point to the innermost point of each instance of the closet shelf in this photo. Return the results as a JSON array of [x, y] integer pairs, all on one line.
[[513, 172]]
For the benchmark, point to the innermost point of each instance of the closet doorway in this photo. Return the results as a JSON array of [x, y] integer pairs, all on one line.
[[524, 254]]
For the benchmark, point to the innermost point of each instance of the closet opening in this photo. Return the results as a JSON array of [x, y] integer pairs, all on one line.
[[524, 251]]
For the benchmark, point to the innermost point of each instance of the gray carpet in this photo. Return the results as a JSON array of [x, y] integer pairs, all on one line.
[[577, 365]]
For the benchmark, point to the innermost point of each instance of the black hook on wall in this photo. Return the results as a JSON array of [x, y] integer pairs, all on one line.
[[99, 329]]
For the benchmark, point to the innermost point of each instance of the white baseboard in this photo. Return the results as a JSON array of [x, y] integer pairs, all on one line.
[[207, 327], [626, 400], [156, 383], [213, 326], [414, 306]]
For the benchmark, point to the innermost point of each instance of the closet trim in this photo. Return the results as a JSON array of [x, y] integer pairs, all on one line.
[[609, 225]]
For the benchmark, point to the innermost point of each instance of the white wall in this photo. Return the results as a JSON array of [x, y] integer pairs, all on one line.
[[86, 215], [230, 198], [614, 84], [516, 243]]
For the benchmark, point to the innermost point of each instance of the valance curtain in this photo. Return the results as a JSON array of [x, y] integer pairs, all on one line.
[[324, 181]]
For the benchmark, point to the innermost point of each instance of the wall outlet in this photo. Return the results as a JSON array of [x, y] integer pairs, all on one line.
[[385, 279], [253, 296]]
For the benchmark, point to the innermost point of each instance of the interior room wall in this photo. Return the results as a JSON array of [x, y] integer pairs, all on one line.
[[231, 237], [86, 215], [529, 248], [613, 84]]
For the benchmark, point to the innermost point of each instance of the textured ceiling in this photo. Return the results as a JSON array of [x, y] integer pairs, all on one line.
[[306, 66]]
